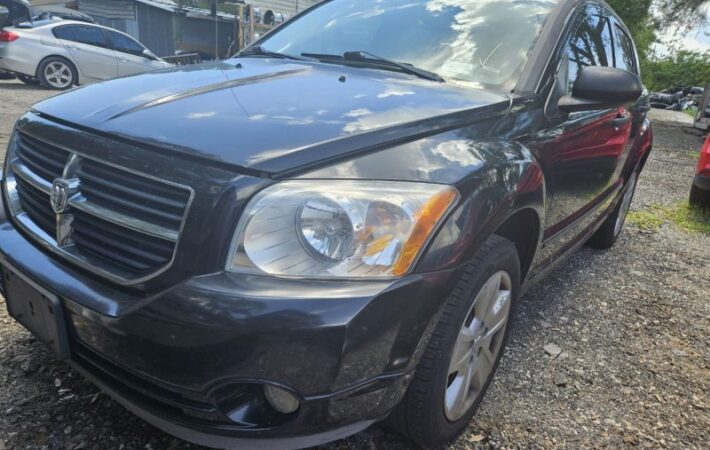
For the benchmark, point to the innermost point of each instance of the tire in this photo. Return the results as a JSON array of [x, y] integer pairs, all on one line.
[[65, 73], [427, 415], [606, 236], [699, 198], [28, 80]]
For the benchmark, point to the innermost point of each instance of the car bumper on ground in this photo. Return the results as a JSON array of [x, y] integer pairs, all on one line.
[[193, 360]]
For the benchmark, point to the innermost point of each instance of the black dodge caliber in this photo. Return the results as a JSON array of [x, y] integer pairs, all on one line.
[[333, 227]]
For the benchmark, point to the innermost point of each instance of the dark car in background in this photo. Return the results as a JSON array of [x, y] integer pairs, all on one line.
[[331, 229]]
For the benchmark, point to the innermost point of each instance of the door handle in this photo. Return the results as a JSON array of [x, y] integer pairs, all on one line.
[[622, 120], [73, 47]]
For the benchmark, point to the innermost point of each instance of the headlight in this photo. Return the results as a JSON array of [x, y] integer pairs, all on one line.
[[352, 229]]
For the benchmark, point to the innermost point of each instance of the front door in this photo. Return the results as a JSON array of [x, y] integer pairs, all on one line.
[[90, 51], [131, 57], [582, 153]]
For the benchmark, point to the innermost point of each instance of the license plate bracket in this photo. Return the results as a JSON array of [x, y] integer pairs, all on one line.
[[38, 310]]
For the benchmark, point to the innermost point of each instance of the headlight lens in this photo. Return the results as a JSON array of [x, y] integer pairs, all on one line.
[[326, 229]]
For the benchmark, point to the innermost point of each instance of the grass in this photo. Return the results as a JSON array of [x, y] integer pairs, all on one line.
[[681, 215], [646, 219], [691, 113]]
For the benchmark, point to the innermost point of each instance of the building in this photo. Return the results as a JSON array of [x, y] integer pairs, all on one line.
[[286, 7], [165, 27]]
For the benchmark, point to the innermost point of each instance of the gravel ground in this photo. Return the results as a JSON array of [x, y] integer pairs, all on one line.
[[631, 325]]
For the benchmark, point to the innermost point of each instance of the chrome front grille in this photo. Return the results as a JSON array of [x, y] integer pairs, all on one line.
[[116, 222]]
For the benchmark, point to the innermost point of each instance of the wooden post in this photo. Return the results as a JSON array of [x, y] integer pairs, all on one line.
[[250, 12], [240, 31]]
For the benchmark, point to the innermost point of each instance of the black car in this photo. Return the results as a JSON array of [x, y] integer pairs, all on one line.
[[330, 229]]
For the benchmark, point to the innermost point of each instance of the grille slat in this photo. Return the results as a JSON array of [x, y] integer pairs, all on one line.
[[47, 161], [131, 208], [123, 222], [92, 170], [39, 169], [55, 163], [35, 204]]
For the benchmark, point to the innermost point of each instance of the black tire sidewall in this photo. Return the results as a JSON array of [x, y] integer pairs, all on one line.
[[43, 81], [605, 237], [429, 383], [699, 198]]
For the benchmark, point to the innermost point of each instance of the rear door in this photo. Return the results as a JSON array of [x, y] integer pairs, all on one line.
[[131, 59], [89, 48]]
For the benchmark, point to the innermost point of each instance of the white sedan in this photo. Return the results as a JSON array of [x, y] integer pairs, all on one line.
[[60, 54]]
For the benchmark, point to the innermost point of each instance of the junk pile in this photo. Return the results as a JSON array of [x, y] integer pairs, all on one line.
[[678, 98]]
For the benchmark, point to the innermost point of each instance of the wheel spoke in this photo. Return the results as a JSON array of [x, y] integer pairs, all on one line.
[[459, 394], [461, 357], [487, 295], [482, 366], [498, 309]]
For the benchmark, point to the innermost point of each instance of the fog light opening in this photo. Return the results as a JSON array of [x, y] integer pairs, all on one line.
[[281, 400]]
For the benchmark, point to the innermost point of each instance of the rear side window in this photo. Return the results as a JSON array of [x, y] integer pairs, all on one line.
[[625, 55], [66, 33], [82, 34], [590, 45], [125, 44]]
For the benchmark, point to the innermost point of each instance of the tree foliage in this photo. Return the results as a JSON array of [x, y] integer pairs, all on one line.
[[646, 19], [681, 68]]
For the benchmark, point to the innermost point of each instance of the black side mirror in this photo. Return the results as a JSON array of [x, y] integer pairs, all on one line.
[[600, 87]]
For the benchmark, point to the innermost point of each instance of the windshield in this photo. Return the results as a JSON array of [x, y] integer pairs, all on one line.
[[483, 43]]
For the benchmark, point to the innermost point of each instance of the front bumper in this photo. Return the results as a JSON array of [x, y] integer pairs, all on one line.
[[192, 359]]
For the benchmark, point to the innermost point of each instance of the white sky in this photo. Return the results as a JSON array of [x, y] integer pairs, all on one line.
[[698, 40]]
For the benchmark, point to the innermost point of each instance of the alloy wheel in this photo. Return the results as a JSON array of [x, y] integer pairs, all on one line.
[[478, 345], [58, 75]]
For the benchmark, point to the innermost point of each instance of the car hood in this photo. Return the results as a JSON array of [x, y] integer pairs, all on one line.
[[19, 11], [268, 115]]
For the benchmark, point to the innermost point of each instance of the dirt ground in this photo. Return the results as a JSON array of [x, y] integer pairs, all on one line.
[[632, 325]]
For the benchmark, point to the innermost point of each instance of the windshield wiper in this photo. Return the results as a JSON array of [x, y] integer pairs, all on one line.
[[368, 59], [258, 50]]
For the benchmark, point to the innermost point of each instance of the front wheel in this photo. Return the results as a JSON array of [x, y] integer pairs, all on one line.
[[464, 350], [606, 236]]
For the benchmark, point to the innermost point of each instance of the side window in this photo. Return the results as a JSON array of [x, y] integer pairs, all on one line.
[[66, 33], [590, 45], [125, 44], [625, 55], [90, 36]]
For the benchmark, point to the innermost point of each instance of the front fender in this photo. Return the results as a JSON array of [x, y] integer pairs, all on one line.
[[514, 182]]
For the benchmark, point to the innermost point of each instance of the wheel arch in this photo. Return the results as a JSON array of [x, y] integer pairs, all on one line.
[[64, 57]]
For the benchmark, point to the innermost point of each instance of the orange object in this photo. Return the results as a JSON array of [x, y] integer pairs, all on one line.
[[427, 218]]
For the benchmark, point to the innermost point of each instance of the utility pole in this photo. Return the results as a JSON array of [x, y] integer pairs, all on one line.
[[216, 29]]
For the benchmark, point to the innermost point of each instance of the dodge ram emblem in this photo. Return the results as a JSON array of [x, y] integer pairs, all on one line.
[[59, 196]]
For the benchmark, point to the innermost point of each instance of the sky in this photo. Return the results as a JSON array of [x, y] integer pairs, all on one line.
[[697, 39]]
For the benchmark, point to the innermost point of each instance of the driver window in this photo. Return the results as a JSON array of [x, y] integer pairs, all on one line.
[[590, 45]]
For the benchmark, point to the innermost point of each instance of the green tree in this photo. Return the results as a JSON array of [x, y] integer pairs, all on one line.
[[680, 68]]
